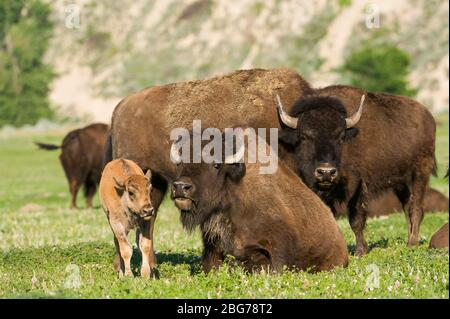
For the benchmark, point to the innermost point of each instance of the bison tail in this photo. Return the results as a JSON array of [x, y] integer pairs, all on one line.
[[48, 147]]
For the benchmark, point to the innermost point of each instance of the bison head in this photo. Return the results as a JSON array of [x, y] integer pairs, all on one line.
[[200, 188], [135, 192], [317, 131]]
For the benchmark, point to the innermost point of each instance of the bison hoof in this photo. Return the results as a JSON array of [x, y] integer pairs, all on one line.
[[149, 274], [361, 251], [413, 243]]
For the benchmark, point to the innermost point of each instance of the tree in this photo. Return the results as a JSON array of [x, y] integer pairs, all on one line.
[[25, 31], [379, 68]]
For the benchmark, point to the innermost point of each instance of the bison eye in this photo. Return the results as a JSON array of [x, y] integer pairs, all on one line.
[[131, 193], [216, 166]]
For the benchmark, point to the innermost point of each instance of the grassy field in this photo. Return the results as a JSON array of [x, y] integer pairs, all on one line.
[[45, 247]]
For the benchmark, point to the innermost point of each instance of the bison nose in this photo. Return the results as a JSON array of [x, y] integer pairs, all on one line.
[[325, 173], [182, 187], [148, 211]]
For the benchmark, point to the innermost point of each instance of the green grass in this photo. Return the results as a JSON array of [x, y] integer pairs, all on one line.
[[38, 244]]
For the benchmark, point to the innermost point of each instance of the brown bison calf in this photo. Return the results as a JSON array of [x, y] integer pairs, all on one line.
[[264, 221], [125, 198], [81, 157], [440, 238]]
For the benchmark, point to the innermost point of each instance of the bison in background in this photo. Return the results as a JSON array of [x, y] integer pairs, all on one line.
[[388, 203], [350, 152], [266, 221], [81, 158], [440, 238]]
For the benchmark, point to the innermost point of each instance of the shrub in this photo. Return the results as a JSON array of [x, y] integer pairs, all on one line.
[[25, 30], [379, 68]]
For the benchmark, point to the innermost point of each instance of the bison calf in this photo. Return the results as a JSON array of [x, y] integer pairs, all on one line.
[[125, 198]]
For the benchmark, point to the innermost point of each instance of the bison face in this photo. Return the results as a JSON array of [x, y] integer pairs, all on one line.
[[317, 134], [135, 192], [200, 189]]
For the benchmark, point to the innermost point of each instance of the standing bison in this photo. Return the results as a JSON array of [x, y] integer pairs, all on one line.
[[387, 142], [81, 158], [240, 98]]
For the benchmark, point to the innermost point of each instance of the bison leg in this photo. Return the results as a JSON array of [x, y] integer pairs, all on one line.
[[74, 187], [90, 188], [357, 208], [414, 211], [144, 240], [211, 257], [255, 258], [118, 262], [412, 200], [124, 248]]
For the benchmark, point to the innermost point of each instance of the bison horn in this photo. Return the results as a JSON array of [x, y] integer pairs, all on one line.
[[286, 118], [236, 158], [354, 119]]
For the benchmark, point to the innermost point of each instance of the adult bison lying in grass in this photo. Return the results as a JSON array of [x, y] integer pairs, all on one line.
[[388, 203], [388, 143], [263, 220], [81, 158], [440, 238]]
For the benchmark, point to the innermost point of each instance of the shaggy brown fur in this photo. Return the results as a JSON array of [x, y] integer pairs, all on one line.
[[391, 147], [242, 97], [81, 157], [125, 198], [440, 238], [264, 221], [388, 203]]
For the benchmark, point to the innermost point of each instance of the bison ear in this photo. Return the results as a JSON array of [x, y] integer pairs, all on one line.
[[235, 172], [148, 174], [351, 133], [119, 187], [288, 136]]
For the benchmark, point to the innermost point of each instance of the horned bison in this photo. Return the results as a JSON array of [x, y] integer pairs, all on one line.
[[239, 98], [387, 142], [265, 221]]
